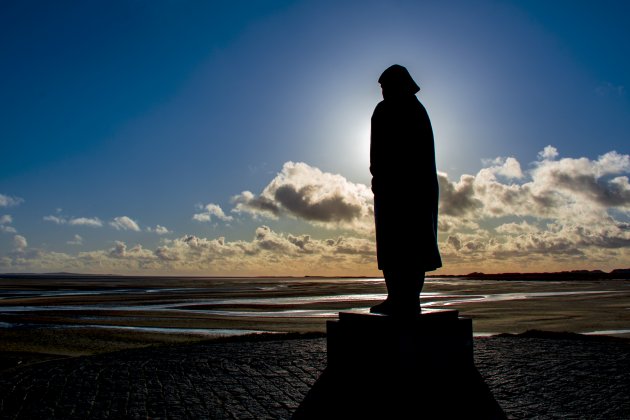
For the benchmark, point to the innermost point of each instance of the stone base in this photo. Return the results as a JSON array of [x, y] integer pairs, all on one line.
[[359, 340], [385, 367]]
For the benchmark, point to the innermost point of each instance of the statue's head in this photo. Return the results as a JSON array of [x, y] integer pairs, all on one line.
[[396, 81]]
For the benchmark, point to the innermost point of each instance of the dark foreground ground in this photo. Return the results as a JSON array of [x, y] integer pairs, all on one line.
[[531, 376]]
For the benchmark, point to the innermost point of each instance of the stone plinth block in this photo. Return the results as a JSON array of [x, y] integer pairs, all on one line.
[[386, 367], [360, 342]]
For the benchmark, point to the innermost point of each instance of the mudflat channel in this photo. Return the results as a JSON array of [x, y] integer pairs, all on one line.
[[86, 315]]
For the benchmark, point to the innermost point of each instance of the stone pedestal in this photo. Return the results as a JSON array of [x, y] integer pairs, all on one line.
[[378, 342], [386, 367]]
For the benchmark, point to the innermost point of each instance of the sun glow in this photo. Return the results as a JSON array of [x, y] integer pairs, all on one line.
[[361, 144]]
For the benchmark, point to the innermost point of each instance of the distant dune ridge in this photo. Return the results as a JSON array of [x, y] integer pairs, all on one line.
[[618, 273]]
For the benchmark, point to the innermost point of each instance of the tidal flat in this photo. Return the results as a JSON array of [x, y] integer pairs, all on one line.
[[51, 316]]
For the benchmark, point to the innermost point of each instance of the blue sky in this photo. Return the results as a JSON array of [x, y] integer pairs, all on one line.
[[119, 117]]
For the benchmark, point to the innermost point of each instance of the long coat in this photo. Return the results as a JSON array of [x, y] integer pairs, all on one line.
[[405, 186]]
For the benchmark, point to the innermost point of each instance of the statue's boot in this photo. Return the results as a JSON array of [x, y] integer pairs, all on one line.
[[387, 307], [403, 296]]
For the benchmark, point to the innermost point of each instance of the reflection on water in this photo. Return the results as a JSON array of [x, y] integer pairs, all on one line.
[[250, 301], [282, 306], [499, 297], [12, 294], [204, 332], [608, 332]]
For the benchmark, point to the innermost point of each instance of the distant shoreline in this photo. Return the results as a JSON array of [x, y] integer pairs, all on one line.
[[616, 274]]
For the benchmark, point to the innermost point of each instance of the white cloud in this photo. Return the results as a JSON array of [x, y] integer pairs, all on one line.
[[574, 180], [505, 167], [19, 242], [563, 208], [510, 245], [517, 228], [458, 198], [548, 153], [611, 163], [212, 211], [5, 224], [562, 213], [448, 223], [563, 188], [76, 240], [268, 252], [119, 250], [86, 221], [124, 223], [160, 230], [305, 192], [77, 221], [55, 219], [7, 201]]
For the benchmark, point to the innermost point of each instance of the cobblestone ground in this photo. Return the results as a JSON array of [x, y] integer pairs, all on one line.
[[537, 378], [530, 377]]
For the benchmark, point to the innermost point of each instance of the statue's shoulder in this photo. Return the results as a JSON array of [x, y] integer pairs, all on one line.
[[380, 106]]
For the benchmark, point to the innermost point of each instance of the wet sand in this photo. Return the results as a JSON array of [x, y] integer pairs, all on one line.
[[81, 316]]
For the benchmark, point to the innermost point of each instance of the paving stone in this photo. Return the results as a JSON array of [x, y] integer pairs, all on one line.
[[530, 377]]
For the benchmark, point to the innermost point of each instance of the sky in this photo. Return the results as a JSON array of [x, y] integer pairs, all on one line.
[[156, 138]]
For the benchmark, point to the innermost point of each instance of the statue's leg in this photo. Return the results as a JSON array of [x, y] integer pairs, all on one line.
[[403, 293], [409, 285], [388, 305]]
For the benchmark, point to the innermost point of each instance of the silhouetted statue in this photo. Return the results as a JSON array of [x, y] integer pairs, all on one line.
[[405, 186]]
